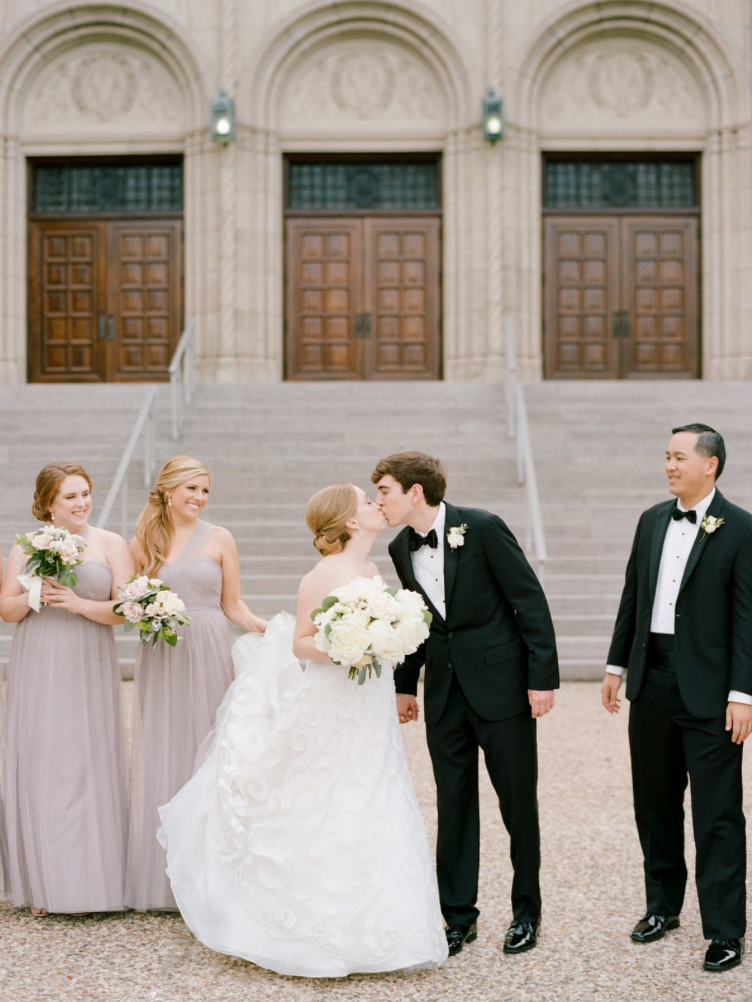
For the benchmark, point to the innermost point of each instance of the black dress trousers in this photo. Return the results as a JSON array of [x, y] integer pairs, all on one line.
[[510, 752], [668, 745]]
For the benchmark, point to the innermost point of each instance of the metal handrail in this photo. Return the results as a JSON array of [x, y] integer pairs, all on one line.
[[119, 485], [181, 373], [519, 429]]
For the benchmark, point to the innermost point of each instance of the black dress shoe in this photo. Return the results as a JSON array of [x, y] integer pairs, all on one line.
[[458, 935], [654, 927], [723, 954], [521, 936]]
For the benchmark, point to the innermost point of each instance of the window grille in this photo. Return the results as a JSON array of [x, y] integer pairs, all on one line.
[[69, 189], [620, 184], [382, 186]]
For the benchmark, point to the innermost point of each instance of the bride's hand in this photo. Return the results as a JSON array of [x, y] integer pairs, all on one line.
[[258, 625]]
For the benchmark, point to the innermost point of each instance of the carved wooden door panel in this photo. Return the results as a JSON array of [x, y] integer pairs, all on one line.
[[621, 296], [581, 296], [67, 300], [660, 285], [145, 310], [402, 298], [324, 324]]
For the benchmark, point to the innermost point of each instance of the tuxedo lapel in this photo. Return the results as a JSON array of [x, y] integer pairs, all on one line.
[[659, 534], [700, 542], [405, 558], [451, 555]]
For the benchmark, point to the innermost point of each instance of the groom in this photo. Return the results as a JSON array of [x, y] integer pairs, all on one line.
[[684, 631], [491, 667]]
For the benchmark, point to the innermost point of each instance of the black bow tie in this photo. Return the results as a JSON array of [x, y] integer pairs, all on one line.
[[677, 514], [416, 540]]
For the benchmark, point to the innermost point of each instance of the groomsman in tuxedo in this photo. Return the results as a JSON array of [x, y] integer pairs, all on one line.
[[684, 632], [491, 669]]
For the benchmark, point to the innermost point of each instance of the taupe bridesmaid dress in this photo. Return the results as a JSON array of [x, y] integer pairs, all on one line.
[[178, 691], [65, 789]]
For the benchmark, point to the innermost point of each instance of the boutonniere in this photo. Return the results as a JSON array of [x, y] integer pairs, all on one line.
[[456, 535], [709, 524]]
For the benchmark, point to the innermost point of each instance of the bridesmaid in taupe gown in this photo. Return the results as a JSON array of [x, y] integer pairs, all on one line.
[[178, 689], [65, 789]]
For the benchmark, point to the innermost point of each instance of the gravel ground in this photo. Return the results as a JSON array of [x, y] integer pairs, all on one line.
[[591, 891]]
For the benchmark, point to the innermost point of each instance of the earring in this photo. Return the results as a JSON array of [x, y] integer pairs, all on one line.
[[52, 516], [355, 525], [169, 502]]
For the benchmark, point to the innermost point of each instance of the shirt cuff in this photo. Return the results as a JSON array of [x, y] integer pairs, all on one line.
[[740, 697], [616, 670]]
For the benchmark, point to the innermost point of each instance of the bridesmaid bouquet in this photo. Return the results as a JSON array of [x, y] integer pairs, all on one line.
[[51, 553], [150, 606], [364, 622]]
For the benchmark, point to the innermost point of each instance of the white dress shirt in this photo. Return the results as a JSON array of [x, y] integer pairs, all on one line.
[[428, 564], [680, 538]]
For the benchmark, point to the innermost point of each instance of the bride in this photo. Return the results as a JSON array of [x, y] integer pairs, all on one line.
[[299, 844]]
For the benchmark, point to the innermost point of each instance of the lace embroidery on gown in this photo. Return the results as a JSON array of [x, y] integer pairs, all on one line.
[[299, 843]]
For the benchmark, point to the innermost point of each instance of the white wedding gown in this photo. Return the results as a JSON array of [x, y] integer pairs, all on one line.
[[299, 843]]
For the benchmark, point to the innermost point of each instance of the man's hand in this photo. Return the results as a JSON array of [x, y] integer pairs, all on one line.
[[541, 701], [739, 721], [407, 707], [609, 692]]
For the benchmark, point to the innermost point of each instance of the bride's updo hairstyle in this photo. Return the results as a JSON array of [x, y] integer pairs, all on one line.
[[154, 529], [48, 484], [326, 514]]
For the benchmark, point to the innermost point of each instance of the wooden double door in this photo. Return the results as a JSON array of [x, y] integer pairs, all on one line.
[[621, 296], [105, 299], [363, 297]]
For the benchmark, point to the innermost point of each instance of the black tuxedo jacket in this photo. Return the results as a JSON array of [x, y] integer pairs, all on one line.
[[713, 632], [497, 635]]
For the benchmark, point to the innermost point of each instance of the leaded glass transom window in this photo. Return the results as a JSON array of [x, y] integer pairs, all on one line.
[[70, 189], [620, 184], [341, 186]]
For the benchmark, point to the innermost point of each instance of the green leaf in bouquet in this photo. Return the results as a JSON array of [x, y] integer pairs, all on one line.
[[171, 639], [315, 613], [328, 602], [392, 590], [377, 668], [127, 625], [68, 579], [327, 629], [427, 617], [362, 676]]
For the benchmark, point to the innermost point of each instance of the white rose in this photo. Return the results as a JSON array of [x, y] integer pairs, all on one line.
[[68, 550], [456, 538], [173, 605], [381, 605], [409, 604], [151, 610], [410, 635], [321, 642], [349, 639], [132, 612], [384, 641], [41, 540]]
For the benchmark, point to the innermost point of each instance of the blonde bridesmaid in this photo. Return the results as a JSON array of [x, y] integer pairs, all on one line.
[[65, 789], [178, 690]]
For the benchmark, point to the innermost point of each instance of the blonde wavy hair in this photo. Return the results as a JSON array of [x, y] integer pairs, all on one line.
[[326, 514], [155, 528]]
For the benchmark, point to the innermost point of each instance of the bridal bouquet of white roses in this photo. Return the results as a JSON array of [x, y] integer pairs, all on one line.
[[51, 553], [150, 606], [364, 623]]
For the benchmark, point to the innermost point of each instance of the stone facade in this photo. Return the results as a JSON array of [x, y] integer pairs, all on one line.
[[137, 76]]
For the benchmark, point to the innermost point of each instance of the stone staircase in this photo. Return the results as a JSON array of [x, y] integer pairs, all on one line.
[[598, 449]]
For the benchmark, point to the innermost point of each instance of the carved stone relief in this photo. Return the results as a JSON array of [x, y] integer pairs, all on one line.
[[103, 89], [621, 85], [355, 84]]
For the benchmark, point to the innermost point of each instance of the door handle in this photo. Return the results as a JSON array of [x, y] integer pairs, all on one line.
[[102, 333], [110, 327], [358, 325], [366, 325]]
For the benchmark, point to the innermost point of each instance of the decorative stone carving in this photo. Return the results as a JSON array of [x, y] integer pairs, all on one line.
[[354, 85], [622, 85], [108, 89]]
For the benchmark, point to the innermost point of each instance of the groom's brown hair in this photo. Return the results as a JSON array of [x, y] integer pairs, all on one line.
[[410, 468]]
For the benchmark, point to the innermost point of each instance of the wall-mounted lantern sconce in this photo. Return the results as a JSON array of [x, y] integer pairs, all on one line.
[[493, 117], [222, 125]]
